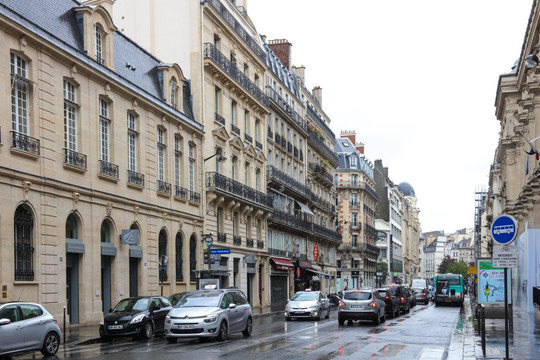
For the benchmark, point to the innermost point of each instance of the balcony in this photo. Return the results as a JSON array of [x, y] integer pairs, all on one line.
[[226, 66], [323, 204], [194, 197], [316, 140], [108, 169], [180, 192], [248, 138], [221, 237], [285, 180], [25, 143], [227, 186], [220, 119], [270, 133], [237, 240], [260, 244], [294, 221], [163, 187], [286, 108], [249, 242], [312, 114], [322, 172], [327, 233], [258, 145], [240, 31], [358, 185], [75, 159], [235, 129], [372, 249], [135, 178]]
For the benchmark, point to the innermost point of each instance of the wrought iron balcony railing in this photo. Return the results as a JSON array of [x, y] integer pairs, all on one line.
[[312, 114], [164, 187], [210, 52], [260, 244], [135, 178], [248, 138], [237, 240], [194, 197], [238, 28], [221, 237], [330, 234], [284, 179], [249, 242], [234, 188], [220, 119], [369, 248], [74, 158], [296, 221], [322, 146], [25, 143], [258, 145], [288, 109], [108, 169], [235, 129], [321, 171], [180, 192]]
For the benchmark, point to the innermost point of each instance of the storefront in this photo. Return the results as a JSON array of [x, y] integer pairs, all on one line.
[[306, 277], [280, 273]]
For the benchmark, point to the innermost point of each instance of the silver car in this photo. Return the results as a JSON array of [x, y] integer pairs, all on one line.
[[307, 304], [363, 304], [26, 326], [209, 313]]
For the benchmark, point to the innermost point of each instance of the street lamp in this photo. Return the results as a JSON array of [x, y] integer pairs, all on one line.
[[163, 261], [220, 157]]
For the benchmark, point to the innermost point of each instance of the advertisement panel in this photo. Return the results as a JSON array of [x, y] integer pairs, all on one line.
[[491, 283]]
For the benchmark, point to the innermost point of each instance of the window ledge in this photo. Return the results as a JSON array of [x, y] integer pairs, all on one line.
[[24, 153], [74, 168], [108, 178], [135, 186]]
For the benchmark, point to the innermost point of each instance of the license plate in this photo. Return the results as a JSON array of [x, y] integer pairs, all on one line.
[[184, 327], [357, 306], [115, 327], [447, 300]]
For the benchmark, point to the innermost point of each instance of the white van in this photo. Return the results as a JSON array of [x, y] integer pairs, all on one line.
[[419, 283]]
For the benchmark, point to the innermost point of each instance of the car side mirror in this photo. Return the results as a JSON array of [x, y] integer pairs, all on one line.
[[232, 306], [4, 321]]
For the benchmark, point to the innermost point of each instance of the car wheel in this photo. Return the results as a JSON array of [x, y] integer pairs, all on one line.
[[377, 319], [148, 330], [51, 344], [249, 328], [288, 318], [222, 334], [171, 340], [341, 321], [327, 313]]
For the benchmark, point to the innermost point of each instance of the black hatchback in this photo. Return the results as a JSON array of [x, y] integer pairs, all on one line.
[[391, 300], [136, 317]]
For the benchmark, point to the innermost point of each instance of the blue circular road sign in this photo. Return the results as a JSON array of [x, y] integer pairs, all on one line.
[[504, 229]]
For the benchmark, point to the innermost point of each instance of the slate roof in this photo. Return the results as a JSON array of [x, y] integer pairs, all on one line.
[[287, 77], [344, 150], [56, 22]]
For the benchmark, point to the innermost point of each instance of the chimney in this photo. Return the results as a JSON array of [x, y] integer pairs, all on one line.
[[346, 134], [282, 48], [317, 94], [107, 4], [300, 72], [359, 147]]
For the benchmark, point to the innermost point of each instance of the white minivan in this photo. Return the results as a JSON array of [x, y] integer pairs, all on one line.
[[419, 283]]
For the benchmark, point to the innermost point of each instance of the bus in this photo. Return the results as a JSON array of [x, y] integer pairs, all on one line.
[[448, 289]]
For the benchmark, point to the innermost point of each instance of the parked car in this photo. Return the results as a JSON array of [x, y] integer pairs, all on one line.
[[136, 317], [421, 295], [307, 304], [27, 326], [209, 313], [390, 300], [403, 297], [174, 298], [363, 304]]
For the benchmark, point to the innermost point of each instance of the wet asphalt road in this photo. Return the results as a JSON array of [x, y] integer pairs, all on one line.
[[424, 333]]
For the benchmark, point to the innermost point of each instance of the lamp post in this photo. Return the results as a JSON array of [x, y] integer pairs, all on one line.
[[163, 261], [209, 240]]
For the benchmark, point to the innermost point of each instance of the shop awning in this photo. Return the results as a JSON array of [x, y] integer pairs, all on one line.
[[305, 208], [282, 264], [318, 272]]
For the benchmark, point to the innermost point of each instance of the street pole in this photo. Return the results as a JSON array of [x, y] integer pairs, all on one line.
[[506, 314]]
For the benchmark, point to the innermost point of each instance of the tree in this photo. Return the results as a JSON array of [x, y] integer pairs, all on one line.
[[447, 261], [382, 268], [459, 267]]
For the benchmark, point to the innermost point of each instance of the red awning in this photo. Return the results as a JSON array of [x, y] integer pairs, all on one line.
[[282, 264]]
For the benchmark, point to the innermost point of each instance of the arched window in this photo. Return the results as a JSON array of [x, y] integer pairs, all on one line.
[[162, 250], [72, 228], [24, 249], [105, 232], [192, 258], [179, 262]]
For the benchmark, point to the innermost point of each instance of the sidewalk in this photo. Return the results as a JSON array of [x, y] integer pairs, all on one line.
[[88, 333], [524, 340]]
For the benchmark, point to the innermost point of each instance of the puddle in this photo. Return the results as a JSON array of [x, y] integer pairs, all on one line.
[[390, 350]]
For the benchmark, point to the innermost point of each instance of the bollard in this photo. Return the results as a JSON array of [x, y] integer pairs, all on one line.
[[64, 326], [483, 320]]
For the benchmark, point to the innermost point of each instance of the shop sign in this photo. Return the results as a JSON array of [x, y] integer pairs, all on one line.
[[315, 251]]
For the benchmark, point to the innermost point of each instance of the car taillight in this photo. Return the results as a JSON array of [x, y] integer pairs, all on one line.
[[387, 297], [341, 303], [372, 304], [423, 294], [402, 299]]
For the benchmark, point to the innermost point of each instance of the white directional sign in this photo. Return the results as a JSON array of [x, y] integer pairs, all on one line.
[[505, 256]]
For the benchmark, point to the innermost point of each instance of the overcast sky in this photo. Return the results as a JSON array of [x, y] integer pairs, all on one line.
[[416, 80]]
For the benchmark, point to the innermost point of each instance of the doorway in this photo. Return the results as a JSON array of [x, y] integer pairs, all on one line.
[[72, 287], [105, 283], [133, 276]]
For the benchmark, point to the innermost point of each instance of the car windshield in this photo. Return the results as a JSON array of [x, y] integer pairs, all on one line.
[[304, 296], [132, 304], [418, 291], [200, 298], [357, 295], [175, 298]]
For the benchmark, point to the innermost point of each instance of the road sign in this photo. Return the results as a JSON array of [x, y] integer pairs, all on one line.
[[472, 270], [504, 229], [220, 251], [505, 256]]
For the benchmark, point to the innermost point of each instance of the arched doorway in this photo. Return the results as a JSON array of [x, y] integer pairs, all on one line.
[[74, 252], [134, 263]]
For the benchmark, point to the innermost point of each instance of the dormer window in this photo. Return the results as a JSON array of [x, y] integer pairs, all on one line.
[[99, 38], [174, 93]]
